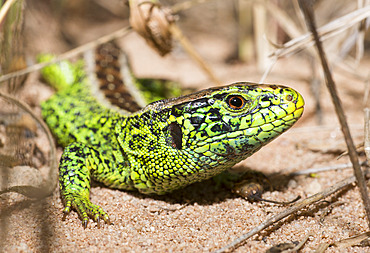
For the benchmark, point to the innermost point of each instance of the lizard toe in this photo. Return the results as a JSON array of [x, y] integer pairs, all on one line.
[[85, 210]]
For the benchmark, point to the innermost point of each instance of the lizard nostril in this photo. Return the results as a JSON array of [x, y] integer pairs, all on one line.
[[289, 98]]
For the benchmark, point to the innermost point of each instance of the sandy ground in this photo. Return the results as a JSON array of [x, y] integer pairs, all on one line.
[[202, 217]]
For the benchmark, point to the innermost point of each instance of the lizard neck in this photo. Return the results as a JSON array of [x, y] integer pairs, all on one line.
[[159, 161]]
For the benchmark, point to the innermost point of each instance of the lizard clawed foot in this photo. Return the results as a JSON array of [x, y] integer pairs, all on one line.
[[85, 210]]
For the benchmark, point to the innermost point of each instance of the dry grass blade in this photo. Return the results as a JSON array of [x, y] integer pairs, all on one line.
[[177, 33], [268, 69], [4, 10], [110, 6], [67, 55], [323, 169], [360, 42], [300, 244], [284, 20], [321, 248], [352, 240], [186, 5], [367, 89], [296, 207], [12, 42], [349, 68], [261, 45], [288, 247], [325, 32], [307, 10], [367, 134]]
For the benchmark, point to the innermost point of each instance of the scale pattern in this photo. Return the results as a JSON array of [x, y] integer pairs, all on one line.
[[166, 145]]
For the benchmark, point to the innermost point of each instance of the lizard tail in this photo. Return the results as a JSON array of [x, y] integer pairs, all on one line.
[[62, 74]]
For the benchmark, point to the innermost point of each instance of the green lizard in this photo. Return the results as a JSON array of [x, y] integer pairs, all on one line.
[[161, 147]]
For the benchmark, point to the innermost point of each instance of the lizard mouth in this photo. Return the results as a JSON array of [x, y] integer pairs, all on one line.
[[287, 120]]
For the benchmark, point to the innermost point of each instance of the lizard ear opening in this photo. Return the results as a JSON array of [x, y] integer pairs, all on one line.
[[175, 135]]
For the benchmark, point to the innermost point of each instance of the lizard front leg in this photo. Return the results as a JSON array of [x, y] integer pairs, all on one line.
[[77, 164]]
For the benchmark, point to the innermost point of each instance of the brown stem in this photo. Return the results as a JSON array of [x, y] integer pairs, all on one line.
[[307, 10]]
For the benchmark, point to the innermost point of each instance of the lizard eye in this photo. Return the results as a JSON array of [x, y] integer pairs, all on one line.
[[235, 102]]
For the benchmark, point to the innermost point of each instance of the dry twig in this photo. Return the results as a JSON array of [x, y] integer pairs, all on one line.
[[290, 210], [307, 10]]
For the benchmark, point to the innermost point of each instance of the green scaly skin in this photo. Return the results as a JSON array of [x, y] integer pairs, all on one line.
[[165, 146]]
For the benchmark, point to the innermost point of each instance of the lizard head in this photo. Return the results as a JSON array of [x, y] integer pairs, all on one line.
[[234, 120], [201, 134]]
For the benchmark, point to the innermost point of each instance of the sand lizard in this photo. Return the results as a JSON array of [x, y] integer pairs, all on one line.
[[161, 147]]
